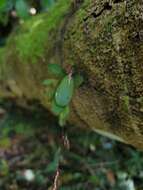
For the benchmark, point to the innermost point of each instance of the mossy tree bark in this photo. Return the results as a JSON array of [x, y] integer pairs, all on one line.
[[103, 40]]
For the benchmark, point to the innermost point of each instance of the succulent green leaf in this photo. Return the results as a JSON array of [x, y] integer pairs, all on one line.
[[22, 9], [49, 82], [64, 91], [78, 80], [64, 116], [56, 69], [56, 109]]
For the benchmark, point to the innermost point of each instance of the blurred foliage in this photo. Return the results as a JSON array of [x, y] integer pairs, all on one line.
[[21, 8], [60, 90], [13, 12], [93, 162]]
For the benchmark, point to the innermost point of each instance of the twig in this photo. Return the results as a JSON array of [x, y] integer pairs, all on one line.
[[66, 144], [56, 179]]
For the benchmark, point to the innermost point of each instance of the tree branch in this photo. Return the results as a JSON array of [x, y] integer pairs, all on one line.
[[104, 42]]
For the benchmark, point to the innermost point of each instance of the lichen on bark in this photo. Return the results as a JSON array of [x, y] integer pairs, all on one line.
[[105, 39]]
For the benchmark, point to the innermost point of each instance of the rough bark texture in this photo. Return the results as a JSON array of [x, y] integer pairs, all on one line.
[[103, 40]]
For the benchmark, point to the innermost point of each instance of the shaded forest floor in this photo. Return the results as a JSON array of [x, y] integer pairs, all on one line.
[[28, 144]]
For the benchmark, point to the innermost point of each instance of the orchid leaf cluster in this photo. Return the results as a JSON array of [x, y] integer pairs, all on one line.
[[60, 90]]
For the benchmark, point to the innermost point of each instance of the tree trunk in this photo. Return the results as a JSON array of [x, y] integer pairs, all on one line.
[[103, 40]]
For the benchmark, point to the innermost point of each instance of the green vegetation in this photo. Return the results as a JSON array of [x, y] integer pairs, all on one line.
[[92, 161], [42, 30], [60, 91], [32, 143], [21, 8]]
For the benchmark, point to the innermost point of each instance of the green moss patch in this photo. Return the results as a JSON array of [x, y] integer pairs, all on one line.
[[33, 37]]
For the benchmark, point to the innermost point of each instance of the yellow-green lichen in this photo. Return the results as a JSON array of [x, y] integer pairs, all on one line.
[[126, 103]]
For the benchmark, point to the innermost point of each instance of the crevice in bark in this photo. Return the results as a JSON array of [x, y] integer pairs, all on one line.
[[118, 1], [106, 6], [59, 45]]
